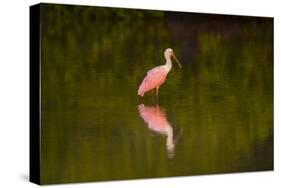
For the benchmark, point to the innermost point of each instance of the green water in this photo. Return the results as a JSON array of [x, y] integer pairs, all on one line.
[[219, 106]]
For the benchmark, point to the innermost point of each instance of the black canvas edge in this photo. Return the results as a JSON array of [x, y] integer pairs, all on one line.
[[272, 20], [34, 89]]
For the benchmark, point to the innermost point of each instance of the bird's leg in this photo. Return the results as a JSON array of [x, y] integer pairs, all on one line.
[[157, 88]]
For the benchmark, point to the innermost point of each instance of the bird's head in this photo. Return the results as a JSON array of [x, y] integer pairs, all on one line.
[[170, 53]]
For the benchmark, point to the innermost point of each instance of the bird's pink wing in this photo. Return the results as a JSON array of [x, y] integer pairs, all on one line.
[[154, 78], [155, 118]]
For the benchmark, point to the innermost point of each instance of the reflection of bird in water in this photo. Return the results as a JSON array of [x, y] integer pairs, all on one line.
[[156, 120], [157, 76]]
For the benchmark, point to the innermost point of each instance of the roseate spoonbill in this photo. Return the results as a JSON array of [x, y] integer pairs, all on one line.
[[156, 120], [157, 76]]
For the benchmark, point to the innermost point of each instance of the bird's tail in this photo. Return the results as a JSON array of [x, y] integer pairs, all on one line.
[[140, 92]]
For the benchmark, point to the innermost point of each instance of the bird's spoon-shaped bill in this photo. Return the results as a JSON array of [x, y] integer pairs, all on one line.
[[177, 61]]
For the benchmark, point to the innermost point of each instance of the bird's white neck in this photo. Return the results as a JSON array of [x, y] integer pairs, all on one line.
[[168, 66], [170, 141]]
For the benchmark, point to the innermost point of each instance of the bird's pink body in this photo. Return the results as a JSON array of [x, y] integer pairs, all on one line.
[[154, 79], [157, 76], [155, 118]]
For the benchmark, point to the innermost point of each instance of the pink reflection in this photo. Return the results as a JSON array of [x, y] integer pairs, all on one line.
[[156, 120]]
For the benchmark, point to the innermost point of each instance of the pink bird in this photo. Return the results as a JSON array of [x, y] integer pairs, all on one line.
[[156, 120], [157, 76]]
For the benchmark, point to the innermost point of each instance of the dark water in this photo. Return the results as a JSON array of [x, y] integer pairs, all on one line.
[[213, 116]]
